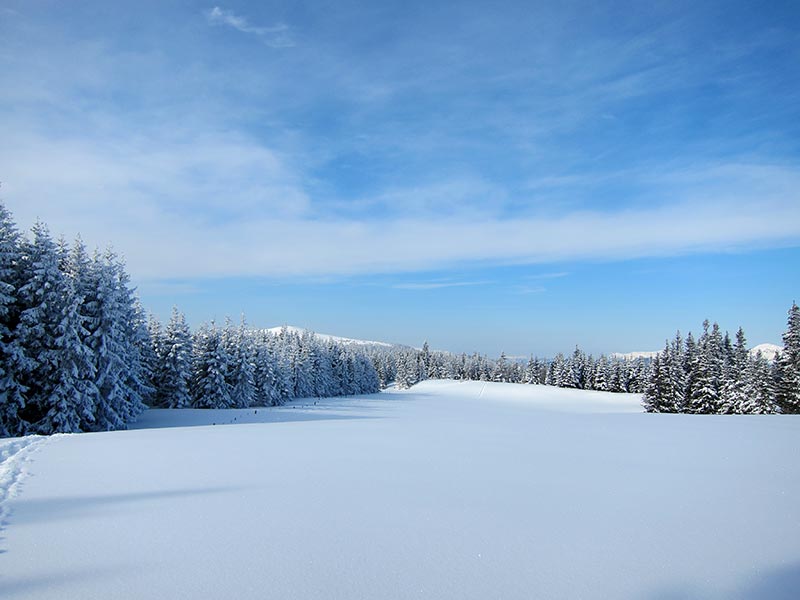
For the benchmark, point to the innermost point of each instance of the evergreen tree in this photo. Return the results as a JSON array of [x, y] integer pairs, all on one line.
[[736, 387], [210, 388], [113, 327], [174, 372], [500, 370], [151, 356], [707, 370], [59, 373], [787, 392], [758, 396], [601, 374], [266, 385], [677, 375], [532, 371], [656, 390], [240, 366], [13, 361], [302, 360]]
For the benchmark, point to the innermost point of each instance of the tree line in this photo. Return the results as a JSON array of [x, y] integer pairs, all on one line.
[[408, 366], [709, 375], [237, 367], [78, 352], [716, 375]]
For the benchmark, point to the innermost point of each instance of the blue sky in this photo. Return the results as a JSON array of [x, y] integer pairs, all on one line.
[[512, 176]]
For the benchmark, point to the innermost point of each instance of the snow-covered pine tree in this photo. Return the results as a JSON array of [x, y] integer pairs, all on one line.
[[787, 385], [266, 385], [689, 360], [302, 360], [240, 365], [209, 386], [59, 373], [406, 370], [13, 361], [677, 375], [735, 387], [174, 371], [141, 377], [601, 374], [617, 381], [283, 371], [338, 368], [555, 370], [759, 396], [427, 368], [113, 325], [323, 371], [575, 372], [707, 370], [637, 377], [500, 370], [532, 371], [656, 390], [151, 355], [71, 403]]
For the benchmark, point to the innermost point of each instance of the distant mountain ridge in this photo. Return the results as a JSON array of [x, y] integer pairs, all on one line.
[[326, 337], [768, 351], [650, 354]]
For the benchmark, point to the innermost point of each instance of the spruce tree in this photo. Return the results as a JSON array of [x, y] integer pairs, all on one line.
[[656, 391], [113, 326], [787, 392], [264, 375], [174, 370], [735, 386], [59, 373], [758, 396], [210, 388], [13, 361], [707, 368], [240, 366]]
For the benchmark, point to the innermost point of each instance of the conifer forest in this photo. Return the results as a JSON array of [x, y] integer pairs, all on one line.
[[79, 353]]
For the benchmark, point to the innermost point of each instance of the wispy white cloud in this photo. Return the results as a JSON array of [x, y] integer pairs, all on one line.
[[174, 238], [275, 36], [197, 171]]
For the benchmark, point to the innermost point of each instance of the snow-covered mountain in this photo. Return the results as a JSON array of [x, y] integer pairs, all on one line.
[[325, 337], [634, 355], [768, 351]]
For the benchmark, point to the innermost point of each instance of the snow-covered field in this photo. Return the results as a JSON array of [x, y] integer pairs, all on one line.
[[447, 490]]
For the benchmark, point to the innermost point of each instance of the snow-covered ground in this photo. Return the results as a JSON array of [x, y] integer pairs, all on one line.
[[447, 490]]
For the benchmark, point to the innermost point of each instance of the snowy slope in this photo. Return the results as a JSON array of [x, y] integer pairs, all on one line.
[[768, 351], [326, 337], [634, 355], [447, 491]]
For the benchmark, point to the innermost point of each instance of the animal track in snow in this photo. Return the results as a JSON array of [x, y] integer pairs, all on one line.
[[14, 454]]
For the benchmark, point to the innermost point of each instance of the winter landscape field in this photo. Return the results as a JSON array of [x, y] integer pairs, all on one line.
[[446, 490], [555, 249]]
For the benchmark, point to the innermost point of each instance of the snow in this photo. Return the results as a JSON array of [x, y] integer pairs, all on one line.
[[326, 337], [768, 351], [650, 354], [447, 490]]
